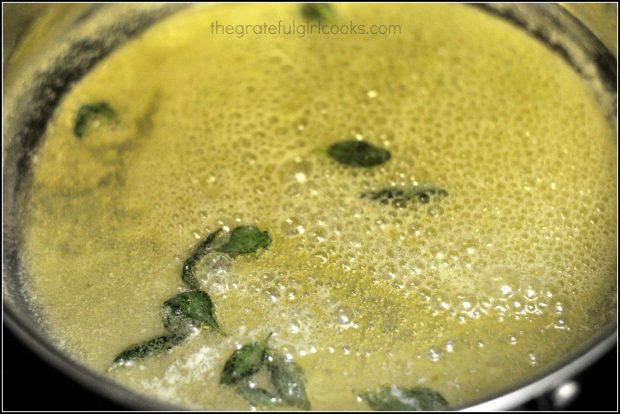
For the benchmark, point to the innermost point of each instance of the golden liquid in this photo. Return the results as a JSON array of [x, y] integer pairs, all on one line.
[[466, 295]]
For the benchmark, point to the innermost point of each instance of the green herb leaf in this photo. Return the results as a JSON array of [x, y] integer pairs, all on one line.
[[397, 399], [147, 348], [243, 362], [322, 12], [202, 248], [399, 196], [358, 153], [176, 321], [187, 310], [88, 114], [244, 240], [255, 395], [241, 240], [288, 379]]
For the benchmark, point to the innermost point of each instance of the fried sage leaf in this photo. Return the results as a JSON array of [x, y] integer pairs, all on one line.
[[255, 395], [399, 196], [288, 379], [244, 362], [202, 248], [358, 153], [189, 310], [147, 348], [392, 398], [244, 240], [88, 114], [176, 322], [321, 12], [241, 240]]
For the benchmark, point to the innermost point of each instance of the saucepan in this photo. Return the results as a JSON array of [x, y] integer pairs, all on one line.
[[49, 47]]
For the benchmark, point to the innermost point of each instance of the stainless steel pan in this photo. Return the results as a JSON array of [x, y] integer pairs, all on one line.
[[48, 47]]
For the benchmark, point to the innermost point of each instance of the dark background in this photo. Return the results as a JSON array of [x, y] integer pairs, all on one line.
[[25, 376]]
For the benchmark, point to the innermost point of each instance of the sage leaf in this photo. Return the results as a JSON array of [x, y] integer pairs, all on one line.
[[288, 379], [241, 240], [244, 240], [147, 348], [358, 153], [392, 398], [88, 114], [321, 12], [202, 248], [400, 196], [176, 321], [189, 310], [244, 362], [256, 396]]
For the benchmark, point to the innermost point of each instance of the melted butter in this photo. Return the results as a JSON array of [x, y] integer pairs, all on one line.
[[467, 295]]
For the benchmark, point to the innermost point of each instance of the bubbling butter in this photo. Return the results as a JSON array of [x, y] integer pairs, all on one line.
[[466, 295]]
